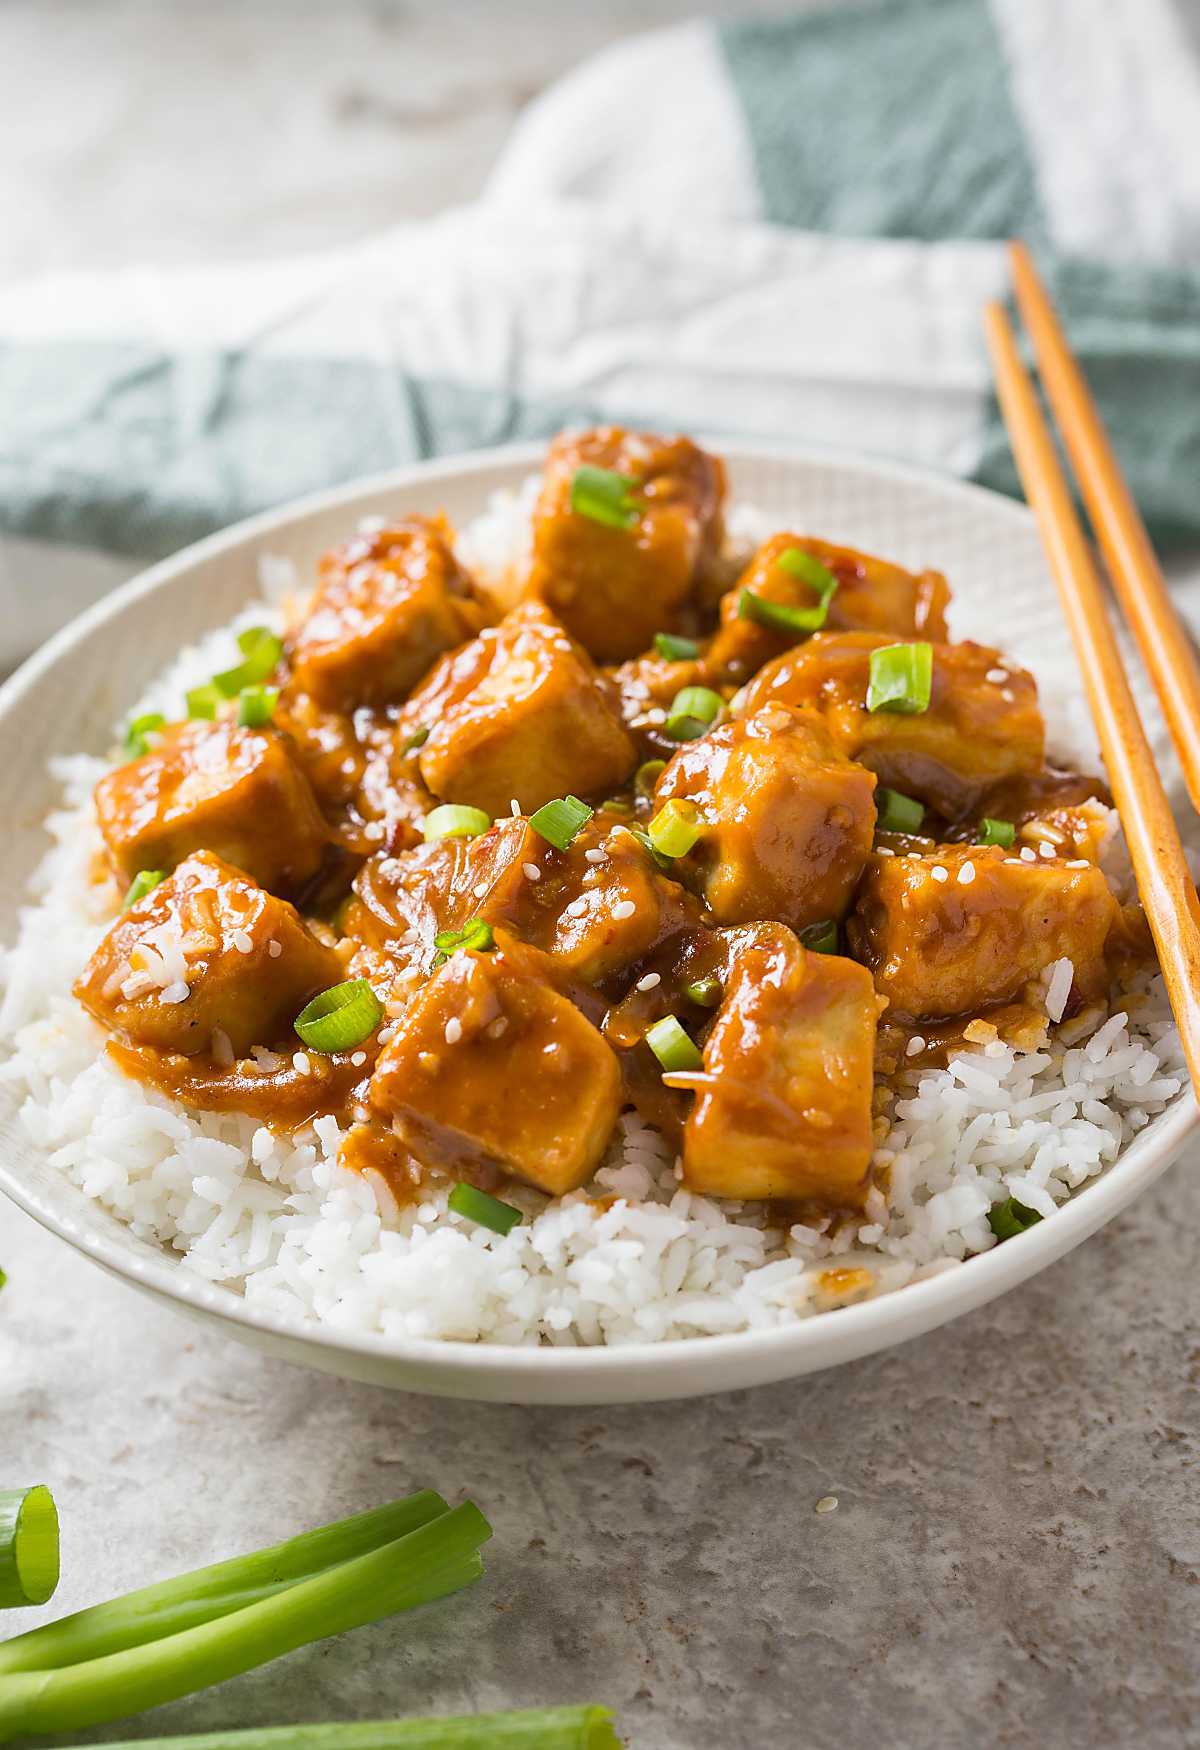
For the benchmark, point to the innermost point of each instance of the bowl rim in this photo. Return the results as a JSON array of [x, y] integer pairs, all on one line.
[[839, 1334]]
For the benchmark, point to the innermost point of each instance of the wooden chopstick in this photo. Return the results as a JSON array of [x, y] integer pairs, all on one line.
[[1165, 886], [1163, 640]]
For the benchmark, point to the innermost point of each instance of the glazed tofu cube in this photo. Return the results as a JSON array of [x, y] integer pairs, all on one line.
[[615, 587], [207, 952], [539, 722], [872, 595], [491, 1066], [386, 606], [791, 1055], [982, 724], [965, 927], [788, 820], [213, 786]]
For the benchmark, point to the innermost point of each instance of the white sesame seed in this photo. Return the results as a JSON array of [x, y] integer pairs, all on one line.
[[966, 875], [596, 855], [940, 874], [624, 908], [274, 949], [1007, 694], [453, 1030], [1028, 856], [242, 941], [656, 715], [999, 675], [514, 806], [915, 1045], [495, 1028], [301, 1063], [827, 1504], [374, 830], [1078, 863], [531, 871], [174, 993], [358, 1058], [1046, 848], [649, 982], [480, 890], [577, 907], [883, 851]]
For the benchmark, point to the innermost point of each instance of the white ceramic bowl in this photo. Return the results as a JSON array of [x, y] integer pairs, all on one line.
[[68, 696]]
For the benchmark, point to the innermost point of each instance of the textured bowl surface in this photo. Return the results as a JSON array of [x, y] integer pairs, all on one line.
[[68, 696]]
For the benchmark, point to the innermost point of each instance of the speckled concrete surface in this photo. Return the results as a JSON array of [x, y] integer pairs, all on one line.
[[1014, 1559]]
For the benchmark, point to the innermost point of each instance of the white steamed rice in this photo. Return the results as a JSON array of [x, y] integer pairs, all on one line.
[[299, 1236]]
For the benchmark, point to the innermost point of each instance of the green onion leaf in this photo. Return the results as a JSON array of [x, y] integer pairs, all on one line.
[[647, 775], [605, 496], [561, 821], [616, 805], [1010, 1218], [821, 938], [138, 729], [897, 813], [647, 843], [675, 648], [693, 710], [256, 706], [782, 617], [340, 1018], [204, 702], [476, 936], [144, 882], [453, 820], [672, 1046], [587, 1727], [28, 1546], [262, 650], [675, 828], [704, 992], [418, 738], [475, 1205], [901, 678], [996, 832], [3, 1278]]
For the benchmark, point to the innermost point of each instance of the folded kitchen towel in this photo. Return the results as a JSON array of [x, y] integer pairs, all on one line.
[[780, 228]]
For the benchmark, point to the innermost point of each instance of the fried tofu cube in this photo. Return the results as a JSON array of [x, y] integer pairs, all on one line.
[[615, 587], [214, 786], [965, 927], [791, 1054], [387, 605], [788, 820], [982, 724], [539, 722], [872, 595], [490, 1065], [207, 952]]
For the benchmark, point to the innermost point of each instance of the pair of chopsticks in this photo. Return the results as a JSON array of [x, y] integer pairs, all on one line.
[[1167, 890]]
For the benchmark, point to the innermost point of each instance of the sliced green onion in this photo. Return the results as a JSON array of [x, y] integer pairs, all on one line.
[[897, 813], [476, 935], [341, 1017], [28, 1546], [561, 821], [901, 678], [675, 828], [605, 496], [781, 616], [533, 1728], [454, 820], [821, 938], [144, 882], [996, 832], [137, 731], [256, 706], [673, 1048], [1010, 1218], [262, 650], [615, 805], [704, 992], [647, 843], [675, 648], [647, 775], [475, 1205], [3, 1278], [418, 738], [693, 710], [205, 701]]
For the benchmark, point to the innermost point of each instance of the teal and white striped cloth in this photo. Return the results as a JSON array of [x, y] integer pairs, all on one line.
[[781, 228]]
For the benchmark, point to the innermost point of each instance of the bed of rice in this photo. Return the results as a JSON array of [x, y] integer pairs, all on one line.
[[278, 1219]]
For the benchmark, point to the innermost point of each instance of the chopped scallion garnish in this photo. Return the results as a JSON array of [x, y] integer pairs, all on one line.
[[476, 936], [821, 938], [340, 1018], [418, 738], [476, 1205], [454, 820], [1010, 1218], [693, 711], [897, 813], [647, 775], [605, 496], [782, 616], [256, 706], [996, 832], [261, 650], [28, 1547], [675, 648], [561, 821], [144, 882], [901, 678], [674, 1049], [704, 992], [204, 702], [675, 828], [615, 805], [137, 731]]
